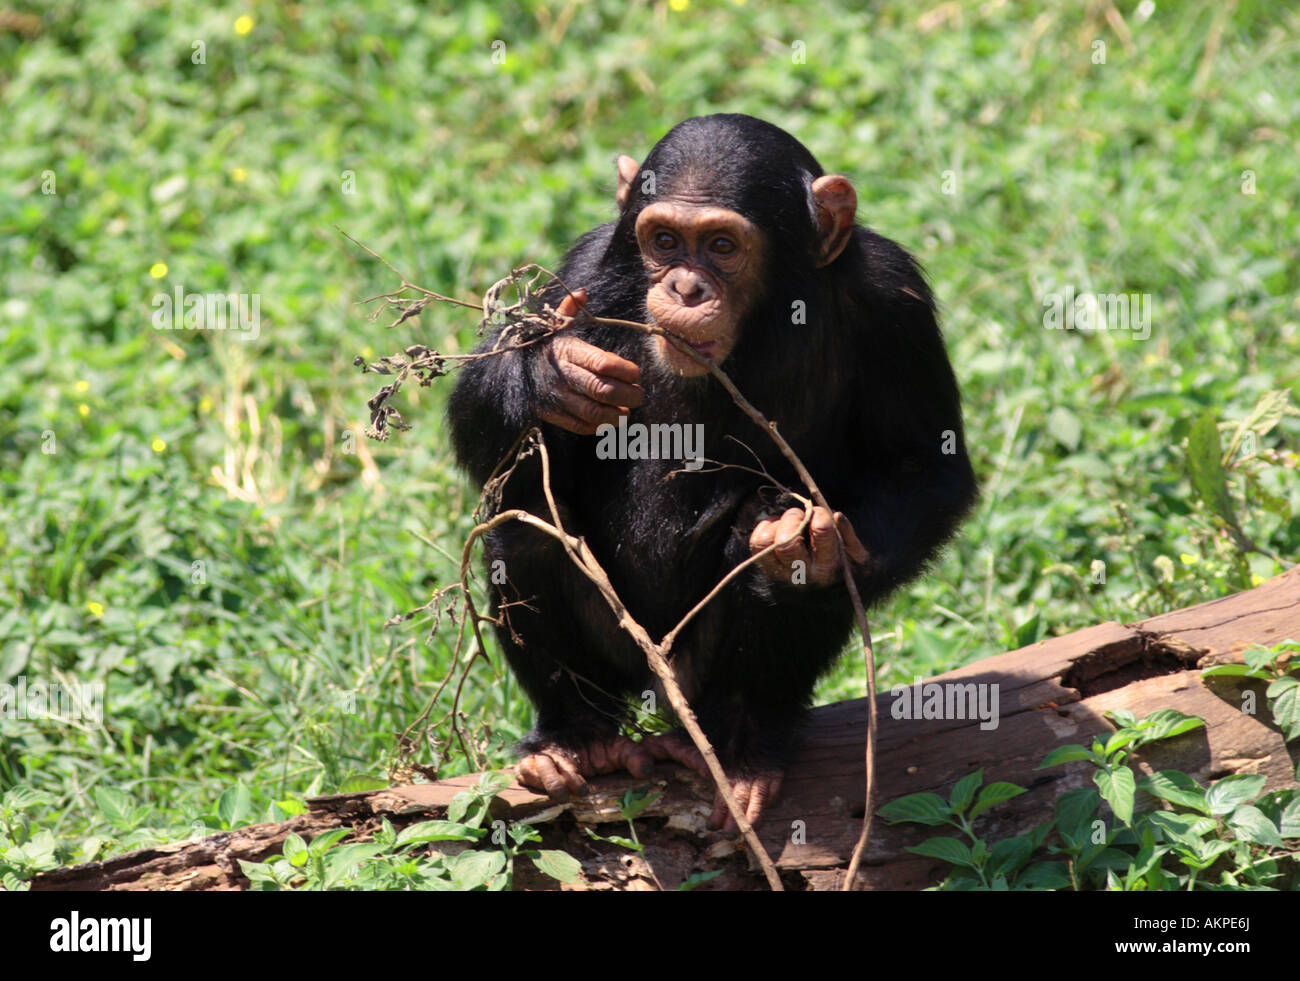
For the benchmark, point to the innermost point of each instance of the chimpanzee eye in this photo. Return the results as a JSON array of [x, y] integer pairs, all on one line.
[[665, 241], [723, 245]]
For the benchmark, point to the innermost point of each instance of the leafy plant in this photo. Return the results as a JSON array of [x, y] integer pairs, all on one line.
[[406, 860], [1228, 827], [1279, 665]]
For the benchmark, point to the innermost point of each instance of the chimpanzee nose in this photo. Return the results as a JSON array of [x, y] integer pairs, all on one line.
[[688, 287]]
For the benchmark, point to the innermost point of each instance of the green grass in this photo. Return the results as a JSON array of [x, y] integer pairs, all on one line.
[[197, 523]]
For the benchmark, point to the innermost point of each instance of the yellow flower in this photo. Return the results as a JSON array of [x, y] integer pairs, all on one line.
[[205, 404], [367, 352], [243, 24], [1186, 559], [82, 386], [158, 270], [239, 175], [679, 5], [1256, 579], [158, 445], [96, 609], [83, 410]]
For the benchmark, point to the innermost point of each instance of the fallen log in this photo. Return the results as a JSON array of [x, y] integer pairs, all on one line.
[[1048, 694]]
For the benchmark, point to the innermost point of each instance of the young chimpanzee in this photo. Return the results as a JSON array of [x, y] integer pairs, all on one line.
[[731, 237]]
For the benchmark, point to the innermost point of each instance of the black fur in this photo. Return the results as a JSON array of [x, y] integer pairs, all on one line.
[[864, 393]]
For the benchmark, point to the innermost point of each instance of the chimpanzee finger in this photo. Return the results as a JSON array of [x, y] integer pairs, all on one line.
[[598, 757], [763, 535], [555, 775], [825, 548], [788, 528], [599, 388], [558, 417], [857, 551], [597, 360], [571, 304], [635, 758], [677, 746], [719, 815], [763, 791], [592, 413]]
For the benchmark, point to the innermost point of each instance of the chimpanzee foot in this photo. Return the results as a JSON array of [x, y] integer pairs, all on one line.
[[753, 792], [559, 771]]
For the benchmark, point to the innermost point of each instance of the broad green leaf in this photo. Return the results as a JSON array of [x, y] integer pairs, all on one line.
[[1076, 807], [494, 781], [1267, 413], [558, 865], [459, 806], [1122, 718], [1064, 427], [360, 782], [1065, 754], [234, 805], [1009, 855], [295, 851], [291, 806], [1117, 789], [438, 831], [963, 791], [636, 800], [1224, 795], [948, 849], [1177, 788], [1258, 658], [1286, 707], [1185, 828], [1205, 468], [1167, 723], [473, 869], [993, 795], [1289, 822], [923, 808], [1118, 740], [1046, 875], [115, 805], [323, 842], [698, 879], [1226, 669], [1249, 823]]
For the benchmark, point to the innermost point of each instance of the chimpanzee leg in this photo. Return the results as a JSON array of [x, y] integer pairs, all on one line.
[[570, 658], [754, 689]]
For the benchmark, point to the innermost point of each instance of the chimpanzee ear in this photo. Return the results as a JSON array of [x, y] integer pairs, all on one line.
[[837, 206], [627, 172]]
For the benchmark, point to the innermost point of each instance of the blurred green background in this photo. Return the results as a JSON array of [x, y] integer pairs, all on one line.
[[196, 521]]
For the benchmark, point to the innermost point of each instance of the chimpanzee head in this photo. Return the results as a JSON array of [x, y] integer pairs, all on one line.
[[721, 204]]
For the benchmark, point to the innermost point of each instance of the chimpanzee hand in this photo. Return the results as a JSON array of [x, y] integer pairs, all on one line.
[[821, 560], [587, 385]]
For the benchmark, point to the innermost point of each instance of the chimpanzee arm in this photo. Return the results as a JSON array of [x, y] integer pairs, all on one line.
[[497, 397], [897, 466]]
